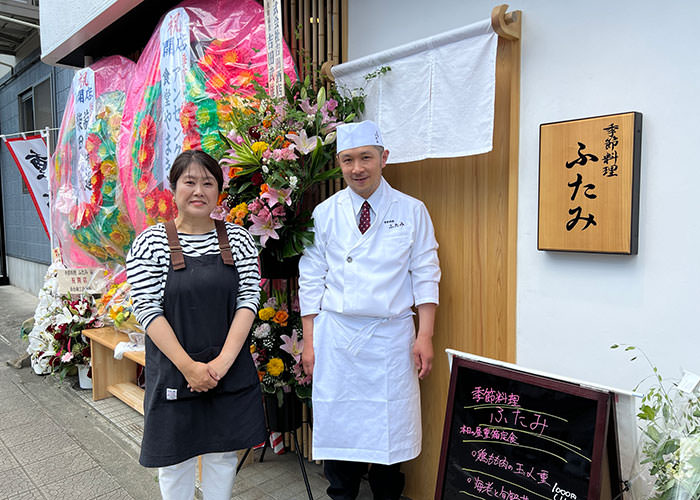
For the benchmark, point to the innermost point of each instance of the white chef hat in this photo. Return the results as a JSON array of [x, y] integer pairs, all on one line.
[[354, 135]]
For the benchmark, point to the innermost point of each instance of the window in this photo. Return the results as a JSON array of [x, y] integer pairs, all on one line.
[[35, 110]]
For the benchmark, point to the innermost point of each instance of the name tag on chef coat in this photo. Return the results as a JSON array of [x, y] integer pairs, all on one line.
[[394, 225]]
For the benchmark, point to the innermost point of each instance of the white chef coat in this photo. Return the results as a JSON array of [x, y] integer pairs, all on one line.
[[365, 395]]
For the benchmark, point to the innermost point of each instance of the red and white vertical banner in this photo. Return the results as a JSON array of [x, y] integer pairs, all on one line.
[[274, 43], [31, 158]]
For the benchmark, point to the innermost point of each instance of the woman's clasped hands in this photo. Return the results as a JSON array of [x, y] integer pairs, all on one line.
[[202, 377]]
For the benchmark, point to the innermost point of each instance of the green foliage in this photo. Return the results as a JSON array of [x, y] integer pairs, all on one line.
[[670, 424]]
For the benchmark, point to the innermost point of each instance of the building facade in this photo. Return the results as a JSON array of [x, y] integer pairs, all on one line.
[[32, 96]]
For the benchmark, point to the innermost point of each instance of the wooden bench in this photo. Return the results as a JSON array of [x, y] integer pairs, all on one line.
[[114, 377]]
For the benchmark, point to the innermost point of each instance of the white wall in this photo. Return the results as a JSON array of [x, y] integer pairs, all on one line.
[[67, 24], [27, 275], [581, 59]]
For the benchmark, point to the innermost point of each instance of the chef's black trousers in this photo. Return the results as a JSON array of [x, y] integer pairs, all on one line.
[[386, 481]]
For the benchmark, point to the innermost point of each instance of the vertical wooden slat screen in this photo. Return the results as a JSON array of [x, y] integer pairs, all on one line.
[[314, 30]]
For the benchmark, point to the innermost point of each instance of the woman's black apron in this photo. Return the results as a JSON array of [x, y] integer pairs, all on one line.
[[199, 303]]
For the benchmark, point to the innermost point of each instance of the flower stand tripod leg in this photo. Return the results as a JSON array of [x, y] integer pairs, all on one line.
[[301, 464]]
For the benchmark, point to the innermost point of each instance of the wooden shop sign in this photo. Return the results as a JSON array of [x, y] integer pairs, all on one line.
[[589, 184]]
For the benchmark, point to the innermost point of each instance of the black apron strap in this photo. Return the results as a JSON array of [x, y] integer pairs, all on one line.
[[176, 257], [224, 245]]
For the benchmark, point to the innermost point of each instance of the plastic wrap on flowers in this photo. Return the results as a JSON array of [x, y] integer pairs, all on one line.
[[201, 61], [88, 215]]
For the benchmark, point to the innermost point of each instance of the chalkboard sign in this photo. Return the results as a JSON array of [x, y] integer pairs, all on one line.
[[517, 436]]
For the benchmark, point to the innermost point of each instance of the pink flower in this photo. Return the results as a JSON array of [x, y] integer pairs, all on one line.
[[284, 154], [255, 206], [220, 212], [307, 108], [331, 104], [302, 143], [67, 357], [233, 135], [300, 376], [278, 211], [266, 154], [293, 345], [275, 196], [264, 213], [265, 228]]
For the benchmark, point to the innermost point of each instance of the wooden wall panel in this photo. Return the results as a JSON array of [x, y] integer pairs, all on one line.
[[473, 205]]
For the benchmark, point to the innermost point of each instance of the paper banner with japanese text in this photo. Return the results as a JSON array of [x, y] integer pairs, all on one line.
[[589, 184], [274, 43], [30, 155], [84, 98], [437, 100], [174, 63]]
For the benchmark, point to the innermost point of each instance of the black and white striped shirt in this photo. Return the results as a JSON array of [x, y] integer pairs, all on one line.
[[149, 257]]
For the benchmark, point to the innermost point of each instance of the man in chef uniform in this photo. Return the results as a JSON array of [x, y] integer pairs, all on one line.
[[374, 257]]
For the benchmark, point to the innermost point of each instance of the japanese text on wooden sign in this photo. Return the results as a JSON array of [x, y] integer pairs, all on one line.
[[589, 184]]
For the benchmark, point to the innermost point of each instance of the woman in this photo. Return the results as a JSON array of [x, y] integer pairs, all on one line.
[[195, 290]]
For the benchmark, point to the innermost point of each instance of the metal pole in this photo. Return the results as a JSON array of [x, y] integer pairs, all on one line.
[[17, 21]]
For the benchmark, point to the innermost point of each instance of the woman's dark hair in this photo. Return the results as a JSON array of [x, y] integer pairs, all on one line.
[[186, 158]]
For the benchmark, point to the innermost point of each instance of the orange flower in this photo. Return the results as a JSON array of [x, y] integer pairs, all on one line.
[[233, 171], [149, 202], [217, 82], [231, 57], [267, 123], [260, 375], [263, 188], [244, 78], [142, 185], [281, 318], [229, 218], [237, 221], [207, 60], [222, 197]]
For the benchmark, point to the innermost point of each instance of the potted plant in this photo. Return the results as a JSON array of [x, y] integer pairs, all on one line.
[[669, 417]]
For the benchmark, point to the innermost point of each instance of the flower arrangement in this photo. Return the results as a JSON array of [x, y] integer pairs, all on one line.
[[73, 315], [115, 306], [56, 342], [99, 224], [670, 424], [279, 149], [277, 345], [154, 198], [217, 81]]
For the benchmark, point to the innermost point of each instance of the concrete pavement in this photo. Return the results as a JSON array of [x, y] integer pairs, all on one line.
[[55, 442]]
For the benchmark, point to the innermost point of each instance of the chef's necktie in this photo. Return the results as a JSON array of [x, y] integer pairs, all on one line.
[[364, 218]]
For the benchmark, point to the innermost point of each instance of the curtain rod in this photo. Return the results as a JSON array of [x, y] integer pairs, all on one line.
[[506, 25]]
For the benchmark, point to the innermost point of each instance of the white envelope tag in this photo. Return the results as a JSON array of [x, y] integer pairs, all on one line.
[[170, 394], [689, 382]]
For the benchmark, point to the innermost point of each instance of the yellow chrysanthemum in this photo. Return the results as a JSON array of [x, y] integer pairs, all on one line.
[[266, 313], [275, 367], [259, 147]]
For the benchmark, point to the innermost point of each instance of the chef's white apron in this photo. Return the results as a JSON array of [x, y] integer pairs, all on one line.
[[366, 399]]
